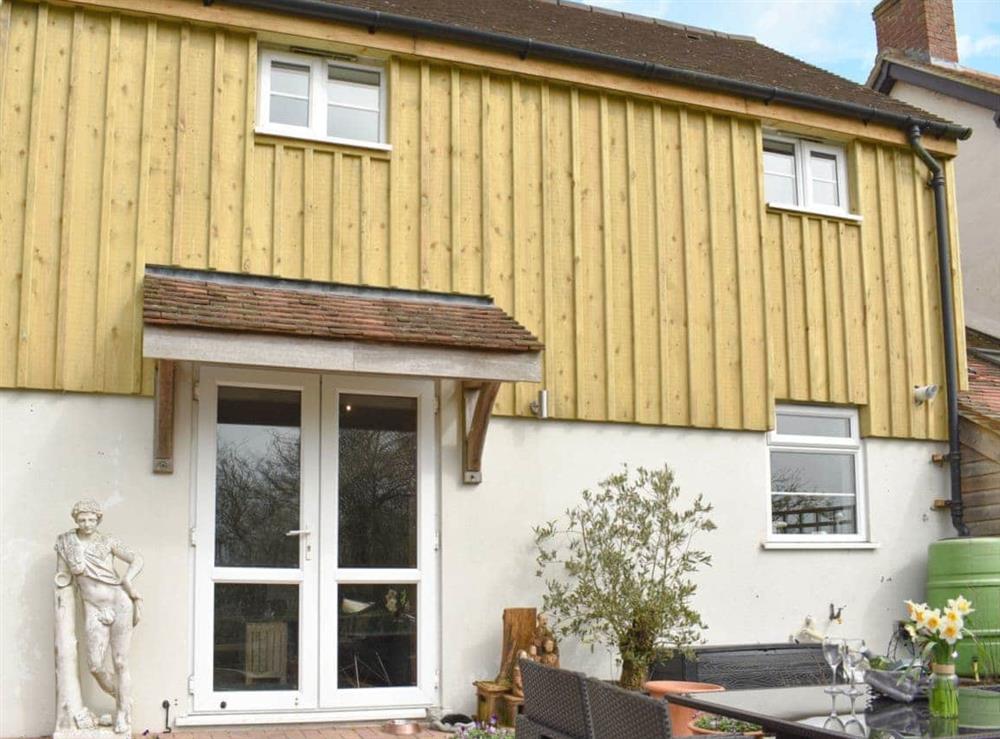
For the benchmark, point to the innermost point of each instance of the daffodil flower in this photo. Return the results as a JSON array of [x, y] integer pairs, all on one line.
[[950, 632], [932, 620], [952, 616], [961, 605]]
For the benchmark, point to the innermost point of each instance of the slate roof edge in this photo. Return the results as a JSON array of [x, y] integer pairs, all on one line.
[[524, 47], [369, 292]]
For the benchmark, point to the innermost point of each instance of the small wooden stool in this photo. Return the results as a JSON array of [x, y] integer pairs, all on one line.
[[512, 705], [488, 694]]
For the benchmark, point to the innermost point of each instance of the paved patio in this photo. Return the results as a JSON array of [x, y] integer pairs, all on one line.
[[310, 731]]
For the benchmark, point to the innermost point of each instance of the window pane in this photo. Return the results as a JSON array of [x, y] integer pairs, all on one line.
[[291, 111], [377, 636], [257, 477], [825, 193], [256, 637], [779, 158], [349, 123], [823, 166], [795, 424], [378, 481], [354, 87], [812, 472], [813, 514], [779, 189], [290, 79]]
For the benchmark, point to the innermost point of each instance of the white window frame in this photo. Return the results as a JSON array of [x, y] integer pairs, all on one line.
[[316, 130], [821, 445], [803, 150]]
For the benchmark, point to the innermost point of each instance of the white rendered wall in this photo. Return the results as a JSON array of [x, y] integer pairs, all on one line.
[[57, 448], [978, 193]]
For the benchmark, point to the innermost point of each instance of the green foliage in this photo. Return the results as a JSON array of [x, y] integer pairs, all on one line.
[[623, 561], [711, 722]]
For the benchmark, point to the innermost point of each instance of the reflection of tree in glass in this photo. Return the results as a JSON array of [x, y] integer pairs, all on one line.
[[378, 486], [257, 502], [787, 480]]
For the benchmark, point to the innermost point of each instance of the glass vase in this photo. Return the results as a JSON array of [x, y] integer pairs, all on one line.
[[942, 699]]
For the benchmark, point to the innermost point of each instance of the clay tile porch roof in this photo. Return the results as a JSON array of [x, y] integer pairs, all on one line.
[[981, 402], [176, 298]]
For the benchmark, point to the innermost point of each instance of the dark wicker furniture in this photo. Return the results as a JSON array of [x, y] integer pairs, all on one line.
[[555, 704], [620, 714], [746, 666]]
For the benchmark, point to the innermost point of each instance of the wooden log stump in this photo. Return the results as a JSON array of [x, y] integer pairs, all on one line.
[[518, 633]]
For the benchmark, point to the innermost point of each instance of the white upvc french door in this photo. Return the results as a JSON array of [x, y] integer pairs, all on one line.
[[315, 562]]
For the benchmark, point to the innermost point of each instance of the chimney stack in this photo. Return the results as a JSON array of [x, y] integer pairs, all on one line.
[[922, 29]]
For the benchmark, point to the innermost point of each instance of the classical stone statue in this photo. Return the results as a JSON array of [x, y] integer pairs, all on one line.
[[111, 610]]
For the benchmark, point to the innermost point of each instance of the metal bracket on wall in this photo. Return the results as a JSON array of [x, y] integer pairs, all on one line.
[[163, 417], [477, 404]]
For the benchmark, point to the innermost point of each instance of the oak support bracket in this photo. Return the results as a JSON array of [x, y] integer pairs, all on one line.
[[477, 405], [163, 418]]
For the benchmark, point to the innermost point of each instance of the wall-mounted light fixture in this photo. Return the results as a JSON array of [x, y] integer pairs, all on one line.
[[540, 407], [924, 393]]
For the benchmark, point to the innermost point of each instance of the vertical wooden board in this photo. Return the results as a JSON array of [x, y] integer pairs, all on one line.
[[592, 388], [796, 335], [813, 287], [229, 129], [776, 311], [435, 179], [755, 388], [673, 177], [259, 259], [159, 211], [364, 217], [852, 285], [726, 318], [619, 287], [468, 277], [318, 199], [124, 156], [698, 270], [194, 181], [44, 202], [909, 263], [404, 233], [529, 275], [956, 276], [934, 330], [289, 205], [875, 417], [378, 251], [499, 193], [836, 350], [349, 220], [18, 60], [85, 212], [560, 349], [645, 272], [897, 383]]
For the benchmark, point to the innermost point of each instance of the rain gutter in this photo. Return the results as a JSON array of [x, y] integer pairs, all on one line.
[[376, 20]]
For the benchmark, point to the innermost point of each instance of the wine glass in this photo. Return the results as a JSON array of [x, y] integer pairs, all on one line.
[[854, 664], [833, 654]]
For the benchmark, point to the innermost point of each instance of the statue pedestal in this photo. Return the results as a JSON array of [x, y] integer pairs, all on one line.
[[101, 732]]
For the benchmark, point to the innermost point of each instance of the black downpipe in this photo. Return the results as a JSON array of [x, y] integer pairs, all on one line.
[[523, 47], [948, 318]]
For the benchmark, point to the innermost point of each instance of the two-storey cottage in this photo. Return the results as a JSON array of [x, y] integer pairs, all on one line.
[[269, 265]]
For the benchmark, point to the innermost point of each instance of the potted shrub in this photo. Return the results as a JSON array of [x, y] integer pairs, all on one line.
[[711, 725], [623, 563]]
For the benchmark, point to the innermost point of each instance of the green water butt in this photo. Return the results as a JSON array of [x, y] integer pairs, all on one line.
[[970, 567], [979, 708]]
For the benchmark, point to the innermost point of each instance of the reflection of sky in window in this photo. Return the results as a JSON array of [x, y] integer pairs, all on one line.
[[812, 472], [254, 442]]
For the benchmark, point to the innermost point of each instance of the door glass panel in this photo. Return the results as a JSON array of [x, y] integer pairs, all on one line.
[[257, 477], [377, 636], [256, 638], [377, 481]]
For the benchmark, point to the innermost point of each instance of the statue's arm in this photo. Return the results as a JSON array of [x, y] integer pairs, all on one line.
[[135, 564]]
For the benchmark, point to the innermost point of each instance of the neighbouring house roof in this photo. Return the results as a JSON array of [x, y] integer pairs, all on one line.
[[654, 48], [177, 298], [981, 402], [971, 85]]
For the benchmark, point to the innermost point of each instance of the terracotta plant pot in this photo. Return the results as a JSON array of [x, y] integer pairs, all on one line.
[[680, 716], [694, 729]]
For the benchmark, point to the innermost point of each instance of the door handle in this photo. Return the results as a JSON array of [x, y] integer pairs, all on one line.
[[302, 533]]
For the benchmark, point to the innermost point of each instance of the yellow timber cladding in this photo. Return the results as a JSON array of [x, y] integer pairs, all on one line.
[[630, 235]]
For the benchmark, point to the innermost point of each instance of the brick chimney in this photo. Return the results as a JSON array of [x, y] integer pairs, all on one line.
[[923, 29]]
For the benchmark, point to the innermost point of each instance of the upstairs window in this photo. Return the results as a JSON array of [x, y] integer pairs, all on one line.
[[313, 97], [805, 174], [817, 476]]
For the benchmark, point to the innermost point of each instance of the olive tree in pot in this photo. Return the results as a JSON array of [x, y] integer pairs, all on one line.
[[623, 562]]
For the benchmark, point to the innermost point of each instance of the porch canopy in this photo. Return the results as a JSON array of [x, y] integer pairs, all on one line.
[[222, 318]]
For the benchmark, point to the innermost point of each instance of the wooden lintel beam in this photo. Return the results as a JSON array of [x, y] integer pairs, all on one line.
[[163, 418], [478, 406]]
